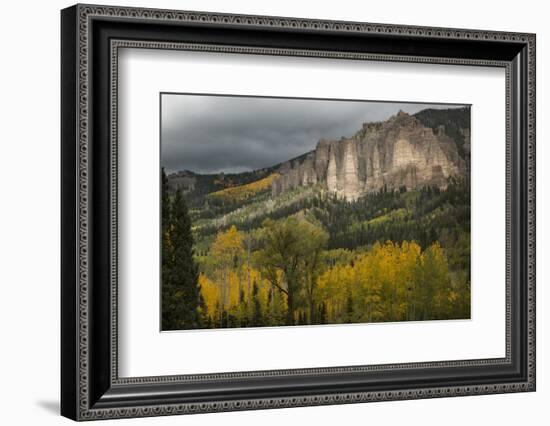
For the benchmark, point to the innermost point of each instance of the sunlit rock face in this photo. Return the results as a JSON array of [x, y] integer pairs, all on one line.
[[399, 152]]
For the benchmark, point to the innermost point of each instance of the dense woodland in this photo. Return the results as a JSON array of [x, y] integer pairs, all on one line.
[[236, 257]]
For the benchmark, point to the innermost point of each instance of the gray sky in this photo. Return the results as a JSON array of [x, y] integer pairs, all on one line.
[[211, 134]]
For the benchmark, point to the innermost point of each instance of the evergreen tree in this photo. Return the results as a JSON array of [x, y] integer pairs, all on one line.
[[181, 291], [205, 319], [168, 318], [257, 314]]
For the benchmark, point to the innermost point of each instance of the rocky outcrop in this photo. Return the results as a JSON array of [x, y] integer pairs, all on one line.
[[398, 152], [184, 180]]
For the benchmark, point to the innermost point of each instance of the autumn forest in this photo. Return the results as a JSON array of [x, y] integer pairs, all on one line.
[[405, 257]]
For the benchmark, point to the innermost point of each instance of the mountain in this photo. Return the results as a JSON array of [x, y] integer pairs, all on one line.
[[409, 151], [197, 186]]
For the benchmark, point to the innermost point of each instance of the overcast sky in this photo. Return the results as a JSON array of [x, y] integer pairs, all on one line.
[[212, 134]]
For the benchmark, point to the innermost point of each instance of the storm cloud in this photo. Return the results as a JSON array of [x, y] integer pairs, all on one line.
[[212, 134]]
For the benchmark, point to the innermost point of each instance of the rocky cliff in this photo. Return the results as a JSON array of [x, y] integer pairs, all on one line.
[[401, 151]]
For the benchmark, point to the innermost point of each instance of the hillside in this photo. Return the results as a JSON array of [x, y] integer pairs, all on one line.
[[245, 191], [373, 233], [454, 122]]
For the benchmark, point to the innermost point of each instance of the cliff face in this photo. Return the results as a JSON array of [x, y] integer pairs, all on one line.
[[183, 180], [398, 152]]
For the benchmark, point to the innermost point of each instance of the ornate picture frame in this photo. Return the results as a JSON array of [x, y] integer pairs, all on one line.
[[91, 37]]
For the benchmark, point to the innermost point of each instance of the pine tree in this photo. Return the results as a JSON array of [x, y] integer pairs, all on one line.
[[204, 315], [181, 291], [168, 318], [257, 314]]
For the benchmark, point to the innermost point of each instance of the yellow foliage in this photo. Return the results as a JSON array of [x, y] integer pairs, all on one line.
[[242, 192], [388, 282], [210, 292], [228, 244], [377, 283], [234, 290]]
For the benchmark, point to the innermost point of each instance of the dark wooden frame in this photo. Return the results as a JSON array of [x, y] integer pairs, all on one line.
[[90, 386]]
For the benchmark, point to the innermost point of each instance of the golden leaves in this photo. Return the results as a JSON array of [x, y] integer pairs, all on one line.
[[242, 192]]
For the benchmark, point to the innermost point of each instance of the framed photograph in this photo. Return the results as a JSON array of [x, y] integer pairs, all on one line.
[[263, 212]]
